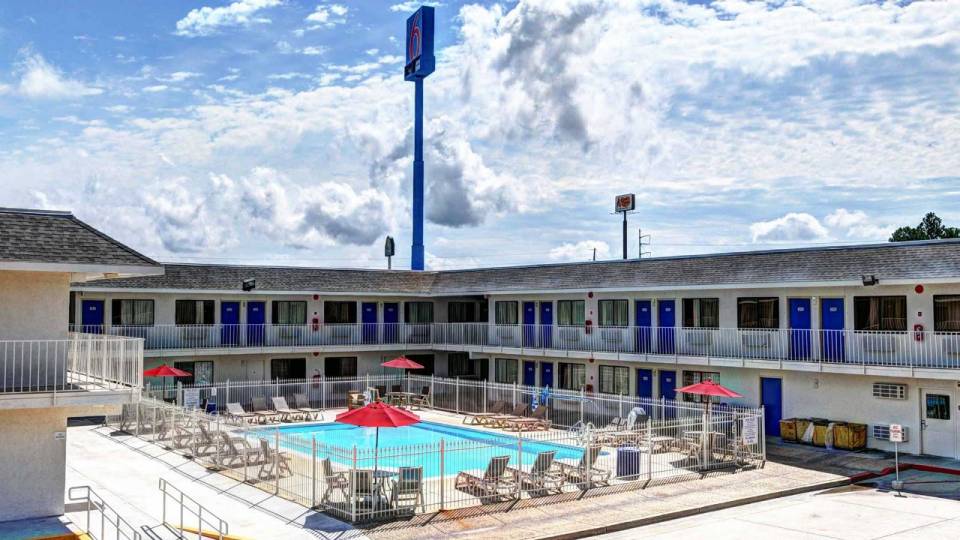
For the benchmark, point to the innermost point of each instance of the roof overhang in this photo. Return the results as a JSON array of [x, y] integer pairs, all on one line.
[[84, 272]]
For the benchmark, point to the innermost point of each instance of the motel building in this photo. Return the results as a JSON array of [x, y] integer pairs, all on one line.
[[48, 373], [867, 334]]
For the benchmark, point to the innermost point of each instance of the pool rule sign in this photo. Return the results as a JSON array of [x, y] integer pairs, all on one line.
[[420, 63], [896, 437]]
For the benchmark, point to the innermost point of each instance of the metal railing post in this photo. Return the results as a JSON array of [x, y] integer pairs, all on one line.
[[583, 397], [353, 487], [442, 476], [649, 451], [313, 472], [457, 396], [276, 461], [227, 391], [520, 460]]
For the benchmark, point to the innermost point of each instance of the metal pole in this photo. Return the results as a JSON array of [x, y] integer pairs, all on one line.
[[313, 472], [416, 261], [353, 487], [276, 461], [442, 479], [457, 395], [649, 451], [624, 235]]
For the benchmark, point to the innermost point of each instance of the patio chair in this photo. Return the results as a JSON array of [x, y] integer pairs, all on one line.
[[381, 392], [493, 486], [407, 488], [203, 442], [396, 388], [537, 420], [334, 481], [128, 417], [365, 488], [236, 414], [519, 411], [275, 462], [541, 479], [286, 413], [585, 474], [303, 405], [260, 409], [423, 400], [236, 451], [496, 409]]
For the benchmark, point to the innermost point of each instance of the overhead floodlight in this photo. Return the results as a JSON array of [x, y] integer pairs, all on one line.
[[869, 280], [249, 284]]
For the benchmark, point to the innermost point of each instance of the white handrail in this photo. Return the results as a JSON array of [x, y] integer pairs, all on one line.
[[185, 504], [109, 518]]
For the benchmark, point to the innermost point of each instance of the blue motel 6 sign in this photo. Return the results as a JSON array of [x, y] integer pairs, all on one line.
[[420, 60]]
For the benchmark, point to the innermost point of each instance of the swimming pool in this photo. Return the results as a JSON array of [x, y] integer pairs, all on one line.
[[418, 444]]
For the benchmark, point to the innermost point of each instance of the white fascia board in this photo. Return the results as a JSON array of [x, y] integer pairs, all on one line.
[[254, 292], [94, 270], [718, 286]]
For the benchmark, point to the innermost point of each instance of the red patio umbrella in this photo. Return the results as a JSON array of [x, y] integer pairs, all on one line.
[[165, 371], [709, 388], [378, 415], [402, 362]]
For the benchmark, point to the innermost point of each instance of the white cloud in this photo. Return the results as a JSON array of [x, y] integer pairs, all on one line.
[[580, 251], [327, 16], [857, 225], [41, 80], [792, 227], [179, 76], [208, 20], [413, 5], [156, 88]]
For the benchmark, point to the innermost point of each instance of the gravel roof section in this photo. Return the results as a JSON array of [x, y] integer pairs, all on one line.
[[906, 260], [45, 236]]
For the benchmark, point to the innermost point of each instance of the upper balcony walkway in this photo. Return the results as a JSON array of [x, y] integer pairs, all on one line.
[[83, 369], [931, 354]]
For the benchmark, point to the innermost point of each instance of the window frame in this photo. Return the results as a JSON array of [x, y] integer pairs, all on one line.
[[937, 324], [513, 313], [858, 311], [116, 311], [621, 377], [207, 304], [498, 362], [758, 300], [190, 366], [415, 307], [566, 370], [692, 376], [942, 410], [275, 362], [334, 307], [694, 310], [275, 308], [574, 320], [350, 361], [617, 303]]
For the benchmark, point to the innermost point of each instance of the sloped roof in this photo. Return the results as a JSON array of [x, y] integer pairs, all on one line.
[[43, 236], [891, 261]]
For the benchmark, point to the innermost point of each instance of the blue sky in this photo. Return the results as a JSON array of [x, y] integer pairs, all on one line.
[[279, 131]]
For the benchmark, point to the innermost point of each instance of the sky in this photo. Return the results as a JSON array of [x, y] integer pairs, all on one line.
[[280, 131]]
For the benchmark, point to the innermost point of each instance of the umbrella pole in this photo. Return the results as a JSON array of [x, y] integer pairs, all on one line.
[[376, 452]]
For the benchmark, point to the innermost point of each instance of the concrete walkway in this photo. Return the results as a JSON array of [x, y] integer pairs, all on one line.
[[854, 513], [125, 471]]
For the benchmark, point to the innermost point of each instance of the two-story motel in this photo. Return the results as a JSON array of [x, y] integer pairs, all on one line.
[[867, 334], [47, 373]]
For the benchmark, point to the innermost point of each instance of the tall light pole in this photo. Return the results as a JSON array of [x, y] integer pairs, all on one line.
[[420, 63]]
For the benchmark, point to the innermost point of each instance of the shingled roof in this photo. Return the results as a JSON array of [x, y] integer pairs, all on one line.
[[44, 236], [892, 261]]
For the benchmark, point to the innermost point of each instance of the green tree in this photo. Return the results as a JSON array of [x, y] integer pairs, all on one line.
[[930, 228]]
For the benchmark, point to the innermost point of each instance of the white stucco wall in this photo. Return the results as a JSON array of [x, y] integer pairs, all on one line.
[[35, 305], [34, 460]]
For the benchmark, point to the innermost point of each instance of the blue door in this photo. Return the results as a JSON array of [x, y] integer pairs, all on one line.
[[546, 325], [91, 317], [771, 397], [644, 321], [529, 373], [645, 383], [229, 324], [368, 316], [256, 319], [800, 328], [666, 320], [831, 322], [529, 324], [391, 322], [546, 374], [668, 390]]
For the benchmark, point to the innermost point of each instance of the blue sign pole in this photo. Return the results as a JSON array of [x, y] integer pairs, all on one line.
[[416, 262], [420, 63]]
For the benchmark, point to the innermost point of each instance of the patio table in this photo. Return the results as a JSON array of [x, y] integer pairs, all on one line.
[[401, 398]]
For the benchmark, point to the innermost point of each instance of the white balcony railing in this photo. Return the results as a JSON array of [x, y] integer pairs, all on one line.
[[82, 362], [895, 349]]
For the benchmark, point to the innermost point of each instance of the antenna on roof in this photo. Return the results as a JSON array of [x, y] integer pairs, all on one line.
[[388, 251], [641, 237]]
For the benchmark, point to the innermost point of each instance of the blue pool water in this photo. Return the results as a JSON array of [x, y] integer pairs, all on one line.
[[417, 445]]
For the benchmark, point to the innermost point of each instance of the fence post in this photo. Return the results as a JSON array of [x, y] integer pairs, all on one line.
[[227, 392], [442, 477], [218, 441], [353, 487], [620, 397], [514, 393], [179, 396], [313, 472], [705, 437], [583, 397], [456, 394], [276, 461], [484, 381], [136, 428], [520, 460], [432, 393], [649, 451]]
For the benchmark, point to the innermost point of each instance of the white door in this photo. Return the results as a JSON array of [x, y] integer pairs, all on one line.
[[938, 431], [253, 369]]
